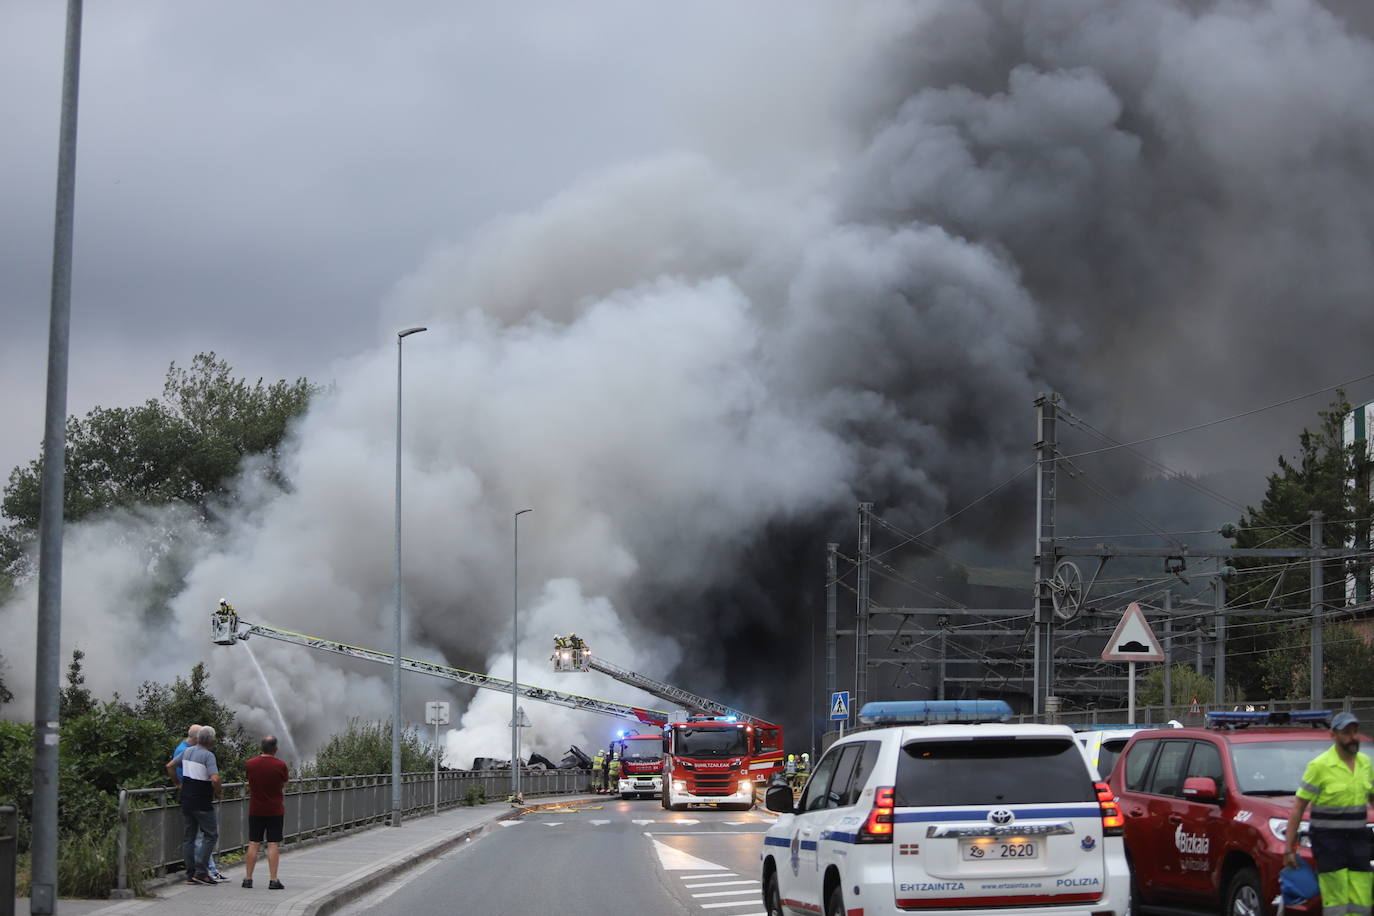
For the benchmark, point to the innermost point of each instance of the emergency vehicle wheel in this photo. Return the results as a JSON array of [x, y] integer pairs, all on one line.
[[834, 904], [772, 897], [1243, 895]]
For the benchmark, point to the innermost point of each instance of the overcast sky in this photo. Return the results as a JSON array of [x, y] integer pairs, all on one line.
[[255, 179]]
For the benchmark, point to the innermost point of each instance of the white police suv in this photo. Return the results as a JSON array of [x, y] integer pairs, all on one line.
[[965, 816]]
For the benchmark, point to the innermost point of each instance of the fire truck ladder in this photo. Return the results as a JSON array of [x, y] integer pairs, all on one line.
[[227, 629], [578, 657]]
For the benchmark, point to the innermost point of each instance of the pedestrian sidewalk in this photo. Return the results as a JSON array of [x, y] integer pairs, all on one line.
[[322, 877]]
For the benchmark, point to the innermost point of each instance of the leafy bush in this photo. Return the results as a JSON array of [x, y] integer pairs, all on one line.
[[476, 796], [364, 748]]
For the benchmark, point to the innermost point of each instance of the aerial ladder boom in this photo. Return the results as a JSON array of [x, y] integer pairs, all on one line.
[[572, 654], [226, 628]]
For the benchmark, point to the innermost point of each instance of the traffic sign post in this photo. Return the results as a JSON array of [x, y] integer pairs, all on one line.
[[1133, 641], [436, 714], [839, 708]]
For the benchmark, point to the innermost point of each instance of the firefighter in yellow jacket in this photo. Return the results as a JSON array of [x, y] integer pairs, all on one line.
[[613, 781], [598, 770], [1338, 784]]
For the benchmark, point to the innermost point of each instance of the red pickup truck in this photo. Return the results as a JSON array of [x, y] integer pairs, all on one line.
[[1207, 809]]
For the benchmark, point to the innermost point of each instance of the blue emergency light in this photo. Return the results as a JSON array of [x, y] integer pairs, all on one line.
[[934, 712], [1239, 719]]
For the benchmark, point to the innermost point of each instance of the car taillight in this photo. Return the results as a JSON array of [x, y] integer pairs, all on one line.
[[1113, 823], [878, 827]]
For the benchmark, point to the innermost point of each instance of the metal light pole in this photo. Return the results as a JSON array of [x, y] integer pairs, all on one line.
[[515, 661], [396, 660], [47, 664]]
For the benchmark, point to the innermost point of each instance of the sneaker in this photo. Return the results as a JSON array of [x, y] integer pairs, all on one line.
[[219, 876], [205, 879], [247, 882], [275, 885]]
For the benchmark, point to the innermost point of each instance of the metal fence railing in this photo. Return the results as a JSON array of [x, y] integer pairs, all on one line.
[[1363, 707], [151, 825], [9, 851]]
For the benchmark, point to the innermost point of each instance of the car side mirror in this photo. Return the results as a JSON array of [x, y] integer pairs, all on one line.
[[1201, 789], [779, 799]]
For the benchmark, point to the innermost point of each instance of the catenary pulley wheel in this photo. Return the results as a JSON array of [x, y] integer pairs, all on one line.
[[1243, 895]]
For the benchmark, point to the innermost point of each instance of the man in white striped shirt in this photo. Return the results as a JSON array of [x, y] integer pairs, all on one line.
[[200, 786]]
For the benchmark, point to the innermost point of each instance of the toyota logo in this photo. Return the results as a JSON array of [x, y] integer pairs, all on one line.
[[1001, 817]]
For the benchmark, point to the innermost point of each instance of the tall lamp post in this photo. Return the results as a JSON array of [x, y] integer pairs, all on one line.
[[396, 659], [515, 662]]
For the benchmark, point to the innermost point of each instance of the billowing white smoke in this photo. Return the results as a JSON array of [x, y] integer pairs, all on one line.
[[674, 357]]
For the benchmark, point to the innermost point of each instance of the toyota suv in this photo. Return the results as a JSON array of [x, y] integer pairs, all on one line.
[[1207, 808], [941, 807]]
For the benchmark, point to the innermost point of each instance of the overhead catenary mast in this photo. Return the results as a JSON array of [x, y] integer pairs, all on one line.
[[226, 629]]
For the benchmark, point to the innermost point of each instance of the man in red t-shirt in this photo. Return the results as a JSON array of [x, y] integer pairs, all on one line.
[[267, 776]]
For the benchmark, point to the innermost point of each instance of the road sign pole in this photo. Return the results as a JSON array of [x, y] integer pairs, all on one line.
[[1130, 692]]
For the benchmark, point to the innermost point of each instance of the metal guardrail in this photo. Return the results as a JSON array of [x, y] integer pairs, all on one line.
[[9, 851], [314, 807]]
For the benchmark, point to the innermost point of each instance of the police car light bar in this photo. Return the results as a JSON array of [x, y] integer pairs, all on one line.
[[1241, 719], [933, 712]]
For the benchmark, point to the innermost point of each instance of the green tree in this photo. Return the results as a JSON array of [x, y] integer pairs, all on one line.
[[6, 696], [1322, 477], [364, 748], [181, 448], [1185, 684], [186, 701], [75, 699]]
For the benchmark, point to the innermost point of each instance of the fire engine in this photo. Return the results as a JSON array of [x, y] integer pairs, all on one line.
[[641, 764], [713, 754]]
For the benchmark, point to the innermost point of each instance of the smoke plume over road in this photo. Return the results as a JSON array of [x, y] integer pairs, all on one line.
[[694, 364]]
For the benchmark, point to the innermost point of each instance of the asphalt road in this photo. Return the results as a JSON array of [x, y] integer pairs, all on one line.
[[608, 857]]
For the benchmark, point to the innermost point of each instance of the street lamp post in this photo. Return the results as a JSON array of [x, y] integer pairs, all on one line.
[[396, 659], [515, 662]]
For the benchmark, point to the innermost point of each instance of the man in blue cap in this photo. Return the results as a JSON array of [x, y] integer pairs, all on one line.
[[1338, 784]]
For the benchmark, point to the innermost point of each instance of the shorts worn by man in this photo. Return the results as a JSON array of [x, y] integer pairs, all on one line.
[[1338, 784], [267, 776], [197, 774]]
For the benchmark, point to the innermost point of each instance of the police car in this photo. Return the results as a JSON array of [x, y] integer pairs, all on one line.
[[943, 807]]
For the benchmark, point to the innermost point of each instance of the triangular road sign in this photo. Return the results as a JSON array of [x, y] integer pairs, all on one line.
[[1133, 640]]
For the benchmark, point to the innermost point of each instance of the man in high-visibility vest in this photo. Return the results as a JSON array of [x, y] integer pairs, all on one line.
[[598, 770], [1338, 784], [613, 782]]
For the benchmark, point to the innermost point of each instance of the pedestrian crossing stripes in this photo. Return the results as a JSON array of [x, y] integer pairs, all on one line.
[[708, 883]]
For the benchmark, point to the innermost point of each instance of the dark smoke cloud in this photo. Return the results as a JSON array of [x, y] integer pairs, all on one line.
[[693, 370]]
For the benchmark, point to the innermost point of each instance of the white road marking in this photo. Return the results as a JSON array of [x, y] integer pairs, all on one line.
[[598, 823], [714, 874], [676, 860], [743, 893], [509, 823], [683, 820], [642, 823], [553, 823], [738, 823], [719, 883], [716, 906]]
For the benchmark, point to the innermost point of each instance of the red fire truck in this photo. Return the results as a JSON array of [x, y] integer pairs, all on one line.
[[641, 765], [718, 760], [710, 753]]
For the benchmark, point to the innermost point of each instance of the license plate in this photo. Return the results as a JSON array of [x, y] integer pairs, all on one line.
[[1011, 848]]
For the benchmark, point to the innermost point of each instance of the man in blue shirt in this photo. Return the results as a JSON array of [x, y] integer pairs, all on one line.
[[189, 741], [197, 774]]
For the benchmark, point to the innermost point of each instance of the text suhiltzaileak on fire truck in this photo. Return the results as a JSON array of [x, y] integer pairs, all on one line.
[[712, 754]]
